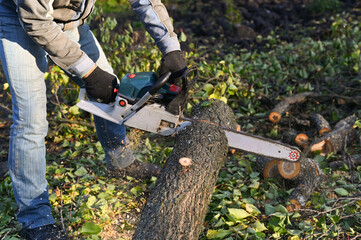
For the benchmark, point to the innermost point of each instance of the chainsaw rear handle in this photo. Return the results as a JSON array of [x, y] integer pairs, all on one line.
[[160, 83]]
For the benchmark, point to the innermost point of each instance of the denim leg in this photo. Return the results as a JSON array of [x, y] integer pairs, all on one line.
[[112, 136], [24, 64]]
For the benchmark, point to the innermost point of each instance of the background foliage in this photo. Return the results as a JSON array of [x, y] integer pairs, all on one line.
[[323, 56]]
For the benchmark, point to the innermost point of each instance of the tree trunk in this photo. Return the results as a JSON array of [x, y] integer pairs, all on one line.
[[179, 201]]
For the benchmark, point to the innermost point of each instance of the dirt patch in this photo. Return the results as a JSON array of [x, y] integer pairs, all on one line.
[[243, 22]]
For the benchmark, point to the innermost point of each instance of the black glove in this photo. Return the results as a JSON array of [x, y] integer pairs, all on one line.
[[173, 62], [100, 85]]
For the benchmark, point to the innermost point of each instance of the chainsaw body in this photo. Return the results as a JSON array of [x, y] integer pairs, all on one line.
[[140, 103], [134, 86]]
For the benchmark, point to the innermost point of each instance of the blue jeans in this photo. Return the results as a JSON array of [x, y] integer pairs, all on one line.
[[24, 64]]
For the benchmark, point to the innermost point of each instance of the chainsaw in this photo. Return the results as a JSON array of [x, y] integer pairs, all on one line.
[[155, 105]]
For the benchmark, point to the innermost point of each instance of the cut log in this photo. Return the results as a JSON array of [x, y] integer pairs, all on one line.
[[268, 167], [303, 192], [304, 168], [304, 175], [337, 138], [282, 107], [179, 201], [323, 127], [289, 170], [307, 179], [302, 140]]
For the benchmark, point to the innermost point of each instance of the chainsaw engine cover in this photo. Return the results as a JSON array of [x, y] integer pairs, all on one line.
[[133, 86]]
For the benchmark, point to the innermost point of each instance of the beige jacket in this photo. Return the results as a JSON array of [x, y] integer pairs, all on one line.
[[46, 20]]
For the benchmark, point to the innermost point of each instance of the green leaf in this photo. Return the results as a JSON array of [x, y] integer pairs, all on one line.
[[259, 227], [269, 209], [208, 88], [182, 37], [91, 201], [136, 190], [238, 214], [281, 208], [252, 209], [90, 229], [214, 234], [80, 171], [223, 99], [341, 192], [74, 110], [214, 96]]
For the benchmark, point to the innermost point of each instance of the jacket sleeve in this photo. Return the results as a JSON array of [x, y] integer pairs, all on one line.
[[155, 18], [36, 19]]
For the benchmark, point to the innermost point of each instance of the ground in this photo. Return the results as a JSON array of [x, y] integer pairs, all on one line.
[[237, 24]]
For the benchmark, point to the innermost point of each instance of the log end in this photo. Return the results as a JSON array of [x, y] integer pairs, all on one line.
[[324, 131], [274, 117], [271, 169], [294, 205], [325, 146], [289, 170], [301, 140]]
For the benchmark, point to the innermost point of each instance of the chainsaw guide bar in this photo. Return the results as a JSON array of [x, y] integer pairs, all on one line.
[[251, 143]]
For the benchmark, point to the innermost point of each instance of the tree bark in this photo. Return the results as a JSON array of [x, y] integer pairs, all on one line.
[[179, 201]]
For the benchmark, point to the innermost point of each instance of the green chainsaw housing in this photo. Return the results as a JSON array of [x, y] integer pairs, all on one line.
[[133, 86]]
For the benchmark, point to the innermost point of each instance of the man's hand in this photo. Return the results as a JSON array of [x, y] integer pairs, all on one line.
[[100, 85], [173, 62]]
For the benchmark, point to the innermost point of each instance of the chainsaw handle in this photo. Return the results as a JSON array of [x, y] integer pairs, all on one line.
[[160, 83]]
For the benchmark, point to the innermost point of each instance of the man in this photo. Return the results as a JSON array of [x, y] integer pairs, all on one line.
[[32, 30]]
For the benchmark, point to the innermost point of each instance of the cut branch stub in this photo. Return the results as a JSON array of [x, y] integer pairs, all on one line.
[[179, 201], [282, 107], [323, 127], [337, 138], [185, 162], [302, 140]]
